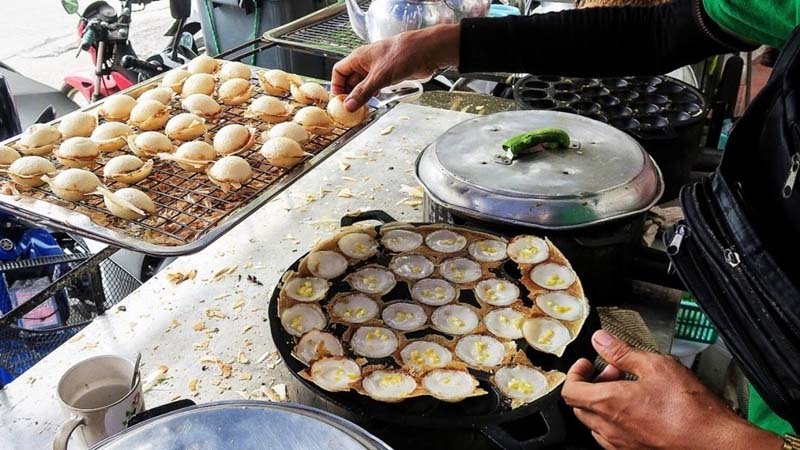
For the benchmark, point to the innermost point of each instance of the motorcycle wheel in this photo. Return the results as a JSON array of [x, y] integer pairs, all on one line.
[[75, 95]]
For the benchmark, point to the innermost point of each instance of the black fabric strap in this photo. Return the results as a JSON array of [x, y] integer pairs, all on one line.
[[596, 41]]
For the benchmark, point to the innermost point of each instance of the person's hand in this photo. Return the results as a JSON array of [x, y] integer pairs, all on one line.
[[414, 54], [665, 408]]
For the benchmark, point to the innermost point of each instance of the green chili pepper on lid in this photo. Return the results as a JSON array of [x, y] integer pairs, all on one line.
[[549, 138]]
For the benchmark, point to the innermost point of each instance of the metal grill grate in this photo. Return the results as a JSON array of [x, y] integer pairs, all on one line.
[[21, 264], [88, 289], [334, 33], [188, 204]]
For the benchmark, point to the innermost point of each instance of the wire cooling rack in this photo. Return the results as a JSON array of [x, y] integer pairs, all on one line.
[[326, 32], [191, 211]]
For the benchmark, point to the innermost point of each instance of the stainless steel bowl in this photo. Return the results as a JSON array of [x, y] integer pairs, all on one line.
[[244, 425]]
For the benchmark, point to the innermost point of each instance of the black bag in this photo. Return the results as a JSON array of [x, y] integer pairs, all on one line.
[[737, 249]]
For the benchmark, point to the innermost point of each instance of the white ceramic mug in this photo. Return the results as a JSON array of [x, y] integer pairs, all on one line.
[[97, 399]]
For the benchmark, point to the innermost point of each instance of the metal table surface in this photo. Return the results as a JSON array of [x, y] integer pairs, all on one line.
[[207, 339]]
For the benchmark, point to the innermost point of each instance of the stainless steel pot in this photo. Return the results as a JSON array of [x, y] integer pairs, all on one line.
[[605, 174], [244, 425], [589, 199]]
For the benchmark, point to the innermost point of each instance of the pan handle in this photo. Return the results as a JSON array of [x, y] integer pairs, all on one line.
[[375, 214], [550, 413], [160, 410]]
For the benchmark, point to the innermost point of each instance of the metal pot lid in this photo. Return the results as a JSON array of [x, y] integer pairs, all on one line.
[[244, 425], [605, 175]]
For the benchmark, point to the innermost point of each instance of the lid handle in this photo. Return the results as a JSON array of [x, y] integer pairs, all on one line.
[[160, 411], [375, 214], [554, 423]]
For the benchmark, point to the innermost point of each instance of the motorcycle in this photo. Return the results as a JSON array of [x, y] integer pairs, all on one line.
[[105, 34], [24, 102], [20, 242]]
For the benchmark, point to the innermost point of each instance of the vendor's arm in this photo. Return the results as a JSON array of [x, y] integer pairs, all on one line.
[[596, 42], [586, 42], [665, 408]]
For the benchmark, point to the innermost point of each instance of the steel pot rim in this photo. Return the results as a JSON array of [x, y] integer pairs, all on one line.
[[352, 430], [510, 221]]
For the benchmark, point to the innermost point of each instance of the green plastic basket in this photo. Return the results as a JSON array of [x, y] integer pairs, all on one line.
[[693, 324]]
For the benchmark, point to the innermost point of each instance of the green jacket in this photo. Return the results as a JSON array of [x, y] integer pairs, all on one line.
[[759, 414], [768, 22]]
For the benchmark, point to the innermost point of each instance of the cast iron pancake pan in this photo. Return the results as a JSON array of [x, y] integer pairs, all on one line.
[[484, 412]]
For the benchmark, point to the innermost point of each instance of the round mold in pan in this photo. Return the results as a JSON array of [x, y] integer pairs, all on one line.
[[565, 86], [566, 97], [606, 101], [427, 412], [653, 121], [585, 82], [644, 108], [614, 83], [626, 123], [669, 88], [645, 80], [535, 94], [656, 99], [586, 107], [617, 111], [677, 117], [591, 92], [684, 97], [535, 84], [644, 89], [625, 95]]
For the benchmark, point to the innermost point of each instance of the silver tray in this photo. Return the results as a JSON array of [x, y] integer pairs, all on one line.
[[191, 211]]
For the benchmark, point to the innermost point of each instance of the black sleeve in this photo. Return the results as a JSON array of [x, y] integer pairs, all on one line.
[[596, 41]]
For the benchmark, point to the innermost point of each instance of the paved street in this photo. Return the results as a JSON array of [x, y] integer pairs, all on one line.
[[39, 39]]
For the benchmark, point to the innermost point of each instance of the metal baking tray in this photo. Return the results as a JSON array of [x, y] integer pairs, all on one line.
[[326, 32], [191, 212]]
